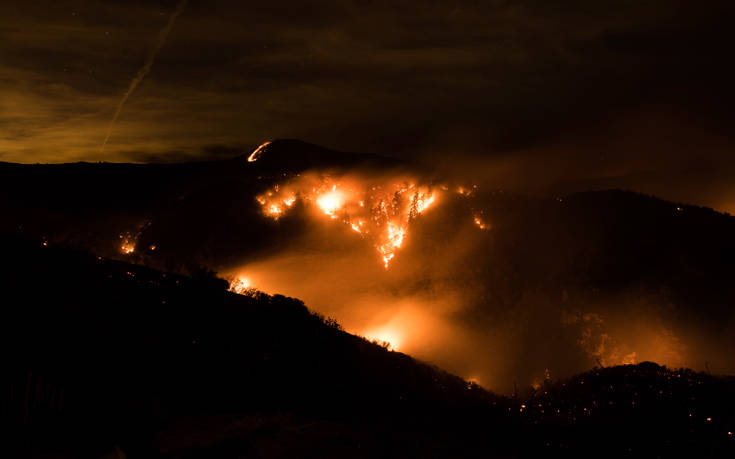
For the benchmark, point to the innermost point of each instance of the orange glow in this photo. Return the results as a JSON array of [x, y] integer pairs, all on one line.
[[331, 202], [258, 152], [386, 336], [645, 339], [241, 285], [475, 380], [275, 210]]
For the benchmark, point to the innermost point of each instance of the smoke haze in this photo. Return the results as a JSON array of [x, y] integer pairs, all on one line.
[[464, 295]]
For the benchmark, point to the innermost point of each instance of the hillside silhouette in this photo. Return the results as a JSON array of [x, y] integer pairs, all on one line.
[[105, 356], [104, 353]]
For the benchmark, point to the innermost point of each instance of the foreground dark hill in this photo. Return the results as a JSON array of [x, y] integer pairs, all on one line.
[[102, 356], [102, 353]]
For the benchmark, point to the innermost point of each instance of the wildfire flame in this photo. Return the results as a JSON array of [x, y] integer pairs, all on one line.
[[382, 210], [331, 202], [385, 336], [128, 243], [393, 242], [241, 285]]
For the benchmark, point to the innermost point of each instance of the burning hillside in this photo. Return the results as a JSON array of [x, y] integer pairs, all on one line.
[[489, 284], [381, 212], [444, 293]]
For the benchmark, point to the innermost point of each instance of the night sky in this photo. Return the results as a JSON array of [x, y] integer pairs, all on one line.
[[542, 96]]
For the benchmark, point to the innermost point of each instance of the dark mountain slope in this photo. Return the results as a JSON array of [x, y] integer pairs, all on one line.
[[103, 353]]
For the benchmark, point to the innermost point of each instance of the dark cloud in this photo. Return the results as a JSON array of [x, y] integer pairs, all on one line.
[[530, 85]]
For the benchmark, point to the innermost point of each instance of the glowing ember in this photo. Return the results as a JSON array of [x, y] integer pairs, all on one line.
[[481, 224], [258, 151], [464, 191], [128, 243], [129, 239]]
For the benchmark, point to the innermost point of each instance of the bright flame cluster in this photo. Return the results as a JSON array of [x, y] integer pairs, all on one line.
[[275, 203], [127, 246], [385, 336], [241, 285], [382, 212]]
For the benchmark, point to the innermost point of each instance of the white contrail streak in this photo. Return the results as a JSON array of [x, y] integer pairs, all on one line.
[[146, 67]]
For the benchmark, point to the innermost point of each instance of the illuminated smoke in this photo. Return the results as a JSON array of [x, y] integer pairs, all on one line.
[[420, 267], [146, 67]]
